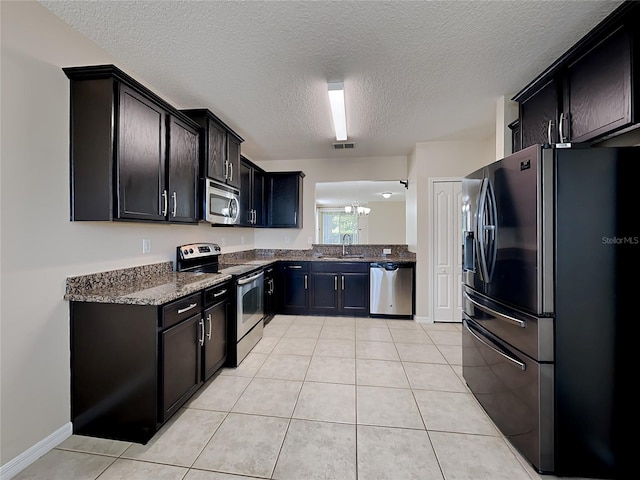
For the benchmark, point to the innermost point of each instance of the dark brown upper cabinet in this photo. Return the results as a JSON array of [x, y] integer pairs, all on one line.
[[219, 148], [284, 199], [598, 90], [590, 93], [252, 203], [134, 157]]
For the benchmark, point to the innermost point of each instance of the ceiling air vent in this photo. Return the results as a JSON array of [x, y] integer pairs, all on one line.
[[344, 145]]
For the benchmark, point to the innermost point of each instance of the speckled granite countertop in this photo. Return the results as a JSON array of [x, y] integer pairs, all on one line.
[[155, 284]]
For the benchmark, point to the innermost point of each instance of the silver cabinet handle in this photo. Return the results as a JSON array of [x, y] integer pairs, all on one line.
[[513, 360], [186, 309], [305, 281], [549, 132], [201, 341], [230, 172], [226, 169], [561, 127], [484, 308], [295, 217], [342, 282], [294, 266], [165, 201], [209, 334], [335, 282], [175, 204], [221, 292]]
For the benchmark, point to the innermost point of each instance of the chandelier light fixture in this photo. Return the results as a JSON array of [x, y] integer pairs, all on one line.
[[386, 194], [356, 209], [338, 111]]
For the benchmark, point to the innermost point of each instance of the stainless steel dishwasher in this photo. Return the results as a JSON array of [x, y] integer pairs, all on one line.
[[391, 289]]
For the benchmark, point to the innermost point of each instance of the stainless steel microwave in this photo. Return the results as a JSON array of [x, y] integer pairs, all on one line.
[[221, 203]]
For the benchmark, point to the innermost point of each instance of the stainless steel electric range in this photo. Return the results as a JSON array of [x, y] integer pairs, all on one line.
[[246, 320]]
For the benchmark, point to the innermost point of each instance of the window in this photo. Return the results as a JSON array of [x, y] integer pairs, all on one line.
[[334, 223]]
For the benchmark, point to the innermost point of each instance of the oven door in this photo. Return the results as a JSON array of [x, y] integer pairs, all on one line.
[[250, 309], [221, 203]]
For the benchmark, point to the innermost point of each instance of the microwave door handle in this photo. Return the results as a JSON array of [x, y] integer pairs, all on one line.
[[502, 354]]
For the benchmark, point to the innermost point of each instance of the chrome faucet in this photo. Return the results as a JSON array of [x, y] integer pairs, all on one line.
[[345, 237]]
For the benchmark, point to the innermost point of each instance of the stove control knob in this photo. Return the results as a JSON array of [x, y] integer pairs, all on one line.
[[185, 252], [191, 250]]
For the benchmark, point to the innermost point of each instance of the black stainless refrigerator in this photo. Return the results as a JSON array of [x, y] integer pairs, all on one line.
[[551, 259]]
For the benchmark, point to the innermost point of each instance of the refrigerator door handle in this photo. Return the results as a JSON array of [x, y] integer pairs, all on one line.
[[492, 229], [521, 365], [482, 228], [495, 313]]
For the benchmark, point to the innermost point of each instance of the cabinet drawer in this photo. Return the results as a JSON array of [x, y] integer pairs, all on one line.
[[181, 309], [340, 267], [295, 266], [216, 294]]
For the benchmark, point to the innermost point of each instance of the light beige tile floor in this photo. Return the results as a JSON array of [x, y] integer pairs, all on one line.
[[318, 398]]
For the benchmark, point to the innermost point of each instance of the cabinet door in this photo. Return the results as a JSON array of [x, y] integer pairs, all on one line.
[[257, 197], [539, 116], [183, 172], [233, 158], [294, 291], [598, 89], [141, 158], [354, 289], [179, 364], [270, 294], [215, 343], [246, 215], [285, 200], [323, 297], [217, 151]]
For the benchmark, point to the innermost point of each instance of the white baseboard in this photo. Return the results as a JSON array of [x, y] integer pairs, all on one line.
[[26, 458], [422, 319]]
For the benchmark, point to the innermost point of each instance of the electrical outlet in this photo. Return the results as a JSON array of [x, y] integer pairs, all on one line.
[[386, 251], [287, 239], [146, 245], [223, 242], [309, 240], [242, 239]]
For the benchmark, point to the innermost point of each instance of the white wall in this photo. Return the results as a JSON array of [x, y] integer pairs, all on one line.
[[323, 170], [387, 223], [435, 160], [40, 246]]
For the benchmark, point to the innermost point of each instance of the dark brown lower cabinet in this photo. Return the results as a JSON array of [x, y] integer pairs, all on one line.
[[214, 352], [339, 288], [180, 352], [134, 366]]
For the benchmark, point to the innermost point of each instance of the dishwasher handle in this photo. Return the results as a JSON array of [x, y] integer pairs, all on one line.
[[390, 266]]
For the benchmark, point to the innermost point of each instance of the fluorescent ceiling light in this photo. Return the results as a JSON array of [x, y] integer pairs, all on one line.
[[336, 99], [386, 194]]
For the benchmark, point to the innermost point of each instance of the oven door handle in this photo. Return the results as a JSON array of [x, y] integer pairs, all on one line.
[[495, 313], [244, 281], [502, 354]]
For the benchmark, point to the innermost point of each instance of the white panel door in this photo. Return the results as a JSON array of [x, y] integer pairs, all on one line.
[[447, 251]]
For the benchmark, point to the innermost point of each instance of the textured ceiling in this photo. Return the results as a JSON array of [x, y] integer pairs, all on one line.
[[414, 71]]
